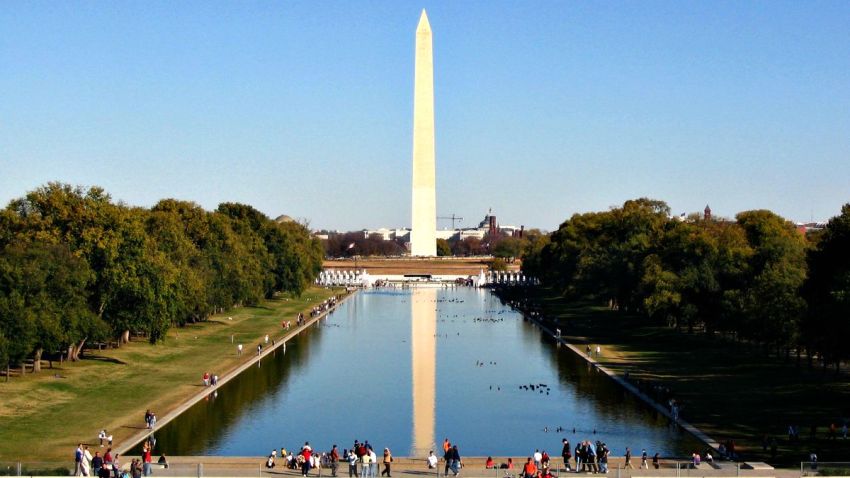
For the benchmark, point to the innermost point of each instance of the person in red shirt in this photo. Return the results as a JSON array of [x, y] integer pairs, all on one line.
[[529, 470], [306, 453], [146, 459]]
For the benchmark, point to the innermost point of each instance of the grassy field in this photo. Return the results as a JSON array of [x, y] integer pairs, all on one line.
[[43, 416], [729, 390]]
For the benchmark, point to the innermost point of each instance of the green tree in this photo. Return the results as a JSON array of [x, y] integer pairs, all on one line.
[[602, 254], [43, 300], [695, 274], [772, 304], [533, 264], [443, 248], [508, 248], [4, 354], [826, 325]]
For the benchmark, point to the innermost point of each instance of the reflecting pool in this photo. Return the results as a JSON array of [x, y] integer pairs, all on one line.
[[407, 368]]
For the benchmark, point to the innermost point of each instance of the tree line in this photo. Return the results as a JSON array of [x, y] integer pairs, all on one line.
[[77, 267], [355, 243], [755, 278]]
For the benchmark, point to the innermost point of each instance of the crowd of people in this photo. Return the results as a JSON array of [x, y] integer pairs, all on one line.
[[325, 306], [150, 419], [586, 456], [362, 460], [209, 379], [108, 465]]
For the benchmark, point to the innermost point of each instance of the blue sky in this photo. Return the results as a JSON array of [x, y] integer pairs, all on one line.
[[543, 109]]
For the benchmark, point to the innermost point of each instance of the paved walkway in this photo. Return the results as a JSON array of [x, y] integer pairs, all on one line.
[[404, 467]]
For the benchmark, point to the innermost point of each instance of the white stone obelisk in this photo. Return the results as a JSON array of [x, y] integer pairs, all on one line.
[[423, 235]]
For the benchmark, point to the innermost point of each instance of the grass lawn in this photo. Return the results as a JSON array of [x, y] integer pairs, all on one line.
[[43, 416], [727, 389]]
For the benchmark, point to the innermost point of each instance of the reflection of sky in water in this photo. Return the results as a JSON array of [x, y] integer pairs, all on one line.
[[353, 378]]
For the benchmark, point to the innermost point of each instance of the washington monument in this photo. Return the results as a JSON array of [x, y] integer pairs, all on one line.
[[423, 235]]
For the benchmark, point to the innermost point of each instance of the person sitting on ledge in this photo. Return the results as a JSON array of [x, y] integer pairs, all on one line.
[[489, 465], [432, 460]]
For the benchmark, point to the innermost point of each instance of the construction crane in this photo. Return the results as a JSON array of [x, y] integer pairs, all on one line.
[[452, 218]]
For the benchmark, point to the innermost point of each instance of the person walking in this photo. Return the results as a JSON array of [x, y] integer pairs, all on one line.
[[591, 458], [116, 467], [566, 454], [97, 463], [135, 469], [352, 464], [579, 461], [146, 459], [628, 459], [456, 463], [85, 463], [388, 459], [306, 454], [107, 459], [365, 460], [334, 458], [373, 462], [78, 460], [602, 457]]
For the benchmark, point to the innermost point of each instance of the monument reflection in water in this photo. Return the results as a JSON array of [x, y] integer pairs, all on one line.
[[406, 368], [423, 356]]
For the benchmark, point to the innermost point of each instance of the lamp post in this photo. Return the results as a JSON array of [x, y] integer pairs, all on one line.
[[353, 253]]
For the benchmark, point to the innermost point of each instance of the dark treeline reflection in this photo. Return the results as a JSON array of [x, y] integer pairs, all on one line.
[[607, 397], [200, 427]]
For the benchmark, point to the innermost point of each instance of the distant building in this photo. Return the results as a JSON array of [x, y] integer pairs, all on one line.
[[488, 226], [447, 233], [386, 234], [805, 227]]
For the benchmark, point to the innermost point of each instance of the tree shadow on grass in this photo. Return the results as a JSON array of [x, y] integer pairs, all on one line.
[[101, 358], [730, 389]]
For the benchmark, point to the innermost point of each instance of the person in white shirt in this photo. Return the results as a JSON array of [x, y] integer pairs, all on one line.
[[352, 464], [373, 463], [86, 462], [432, 460]]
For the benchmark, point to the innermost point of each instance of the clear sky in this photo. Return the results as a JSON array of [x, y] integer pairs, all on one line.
[[543, 109]]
